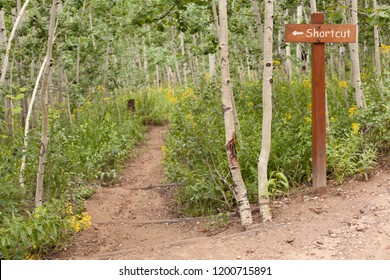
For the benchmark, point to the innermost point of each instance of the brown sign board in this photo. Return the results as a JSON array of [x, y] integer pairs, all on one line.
[[320, 33]]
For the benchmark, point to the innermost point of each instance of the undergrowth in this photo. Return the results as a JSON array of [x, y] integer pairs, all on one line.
[[195, 156], [86, 149]]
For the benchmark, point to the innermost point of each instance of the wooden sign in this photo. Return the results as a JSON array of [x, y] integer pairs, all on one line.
[[320, 33]]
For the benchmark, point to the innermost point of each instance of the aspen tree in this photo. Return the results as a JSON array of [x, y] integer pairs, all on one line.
[[27, 124], [183, 54], [267, 113], [43, 101], [289, 67], [228, 112], [299, 20], [256, 12], [378, 67], [356, 80], [313, 6], [18, 20]]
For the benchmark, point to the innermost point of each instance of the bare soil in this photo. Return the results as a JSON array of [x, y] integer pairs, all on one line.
[[136, 219]]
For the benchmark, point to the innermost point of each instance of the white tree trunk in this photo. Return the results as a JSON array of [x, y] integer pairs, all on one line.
[[267, 114], [342, 75], [43, 98], [313, 6], [3, 35], [157, 76], [260, 32], [299, 20], [230, 134], [3, 31], [378, 67], [9, 44], [212, 65], [27, 124], [289, 67], [183, 54], [356, 81]]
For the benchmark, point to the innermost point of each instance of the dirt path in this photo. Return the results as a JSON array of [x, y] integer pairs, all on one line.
[[134, 219]]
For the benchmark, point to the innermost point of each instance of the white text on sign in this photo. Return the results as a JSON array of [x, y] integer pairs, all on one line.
[[320, 33]]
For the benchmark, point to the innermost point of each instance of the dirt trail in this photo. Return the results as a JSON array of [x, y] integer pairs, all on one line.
[[135, 219]]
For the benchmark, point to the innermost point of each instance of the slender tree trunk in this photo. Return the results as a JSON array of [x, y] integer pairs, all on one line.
[[27, 124], [342, 75], [3, 31], [267, 113], [91, 29], [7, 101], [378, 67], [356, 80], [248, 67], [259, 25], [313, 6], [289, 67], [299, 20], [216, 19], [230, 134], [60, 70], [43, 99], [157, 76], [212, 65], [183, 54]]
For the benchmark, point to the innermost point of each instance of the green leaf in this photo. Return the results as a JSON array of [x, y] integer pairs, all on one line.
[[23, 89], [16, 110], [19, 96]]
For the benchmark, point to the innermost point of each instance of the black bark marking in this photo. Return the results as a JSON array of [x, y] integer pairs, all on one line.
[[225, 108], [231, 146]]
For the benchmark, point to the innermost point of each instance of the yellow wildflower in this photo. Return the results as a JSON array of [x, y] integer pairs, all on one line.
[[250, 104], [355, 128], [170, 96], [288, 116], [188, 93], [276, 62], [80, 222], [207, 76], [308, 119], [100, 88], [343, 84], [106, 99], [189, 117], [309, 106], [69, 209], [352, 111], [332, 119], [385, 48], [306, 83]]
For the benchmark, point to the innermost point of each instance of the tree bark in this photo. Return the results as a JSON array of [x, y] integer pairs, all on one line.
[[43, 100], [378, 66], [230, 134], [267, 114], [7, 101], [356, 81], [313, 6], [27, 124], [260, 32], [183, 54]]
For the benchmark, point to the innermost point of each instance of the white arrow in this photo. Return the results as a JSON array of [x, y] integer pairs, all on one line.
[[295, 33]]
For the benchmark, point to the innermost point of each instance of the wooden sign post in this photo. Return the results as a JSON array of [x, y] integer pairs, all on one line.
[[318, 34]]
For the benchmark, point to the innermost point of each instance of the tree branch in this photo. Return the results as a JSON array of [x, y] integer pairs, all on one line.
[[166, 14]]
